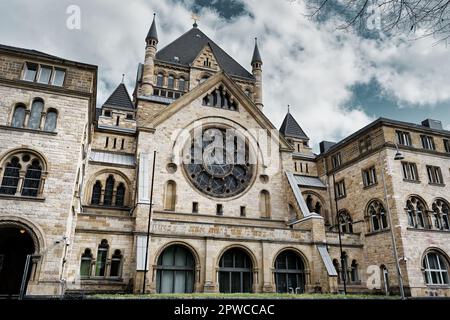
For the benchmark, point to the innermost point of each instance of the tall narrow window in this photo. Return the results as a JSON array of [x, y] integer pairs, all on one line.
[[340, 189], [369, 177], [102, 255], [345, 222], [120, 195], [117, 121], [109, 190], [50, 121], [114, 143], [36, 113], [417, 213], [336, 160], [194, 207], [86, 263], [18, 116], [45, 74], [32, 179], [410, 171], [58, 78], [428, 142], [96, 193], [435, 175], [181, 84], [219, 209], [30, 71], [264, 204], [116, 264], [403, 138], [106, 142], [122, 144], [354, 275], [447, 145], [11, 177], [170, 196], [159, 80], [170, 82], [377, 216], [243, 214]]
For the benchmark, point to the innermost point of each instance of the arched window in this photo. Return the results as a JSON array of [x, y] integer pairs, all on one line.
[[50, 121], [417, 213], [28, 185], [175, 271], [440, 216], [264, 204], [10, 179], [159, 80], [338, 269], [385, 279], [289, 273], [120, 195], [96, 193], [354, 274], [32, 179], [170, 82], [344, 270], [18, 116], [102, 254], [345, 222], [86, 263], [37, 107], [377, 216], [181, 84], [435, 267], [109, 190], [170, 196], [309, 203], [116, 264], [235, 272], [318, 208]]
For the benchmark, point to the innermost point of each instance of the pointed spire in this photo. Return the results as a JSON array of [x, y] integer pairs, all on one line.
[[152, 33], [119, 98], [290, 128], [256, 55]]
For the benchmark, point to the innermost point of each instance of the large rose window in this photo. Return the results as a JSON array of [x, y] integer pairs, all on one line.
[[217, 162]]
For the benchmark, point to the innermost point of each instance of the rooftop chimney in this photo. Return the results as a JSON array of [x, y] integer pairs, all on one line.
[[432, 124], [325, 146]]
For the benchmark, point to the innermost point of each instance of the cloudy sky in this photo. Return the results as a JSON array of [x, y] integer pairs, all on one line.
[[335, 81]]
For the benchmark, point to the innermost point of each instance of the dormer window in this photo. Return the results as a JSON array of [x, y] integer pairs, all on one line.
[[30, 72], [44, 74], [107, 113]]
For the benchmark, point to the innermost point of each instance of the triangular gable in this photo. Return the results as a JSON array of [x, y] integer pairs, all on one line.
[[204, 88], [206, 59]]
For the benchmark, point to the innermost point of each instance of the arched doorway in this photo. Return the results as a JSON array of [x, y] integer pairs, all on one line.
[[175, 270], [235, 272], [15, 244], [289, 273]]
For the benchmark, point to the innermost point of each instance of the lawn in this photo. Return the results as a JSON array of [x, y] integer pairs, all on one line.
[[238, 296]]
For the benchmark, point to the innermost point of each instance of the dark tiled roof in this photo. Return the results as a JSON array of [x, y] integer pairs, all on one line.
[[290, 128], [256, 54], [120, 98], [152, 33], [188, 47]]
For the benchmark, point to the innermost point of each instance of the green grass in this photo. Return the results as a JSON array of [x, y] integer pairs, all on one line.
[[237, 296]]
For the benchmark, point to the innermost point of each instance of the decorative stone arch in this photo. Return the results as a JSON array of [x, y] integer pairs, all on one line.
[[317, 200], [441, 216], [101, 176], [255, 265], [440, 252], [204, 74], [416, 217], [301, 255], [367, 216], [13, 109], [19, 153], [34, 230], [187, 246]]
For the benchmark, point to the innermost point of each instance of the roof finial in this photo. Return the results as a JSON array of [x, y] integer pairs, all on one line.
[[123, 77], [256, 59], [195, 18], [289, 109]]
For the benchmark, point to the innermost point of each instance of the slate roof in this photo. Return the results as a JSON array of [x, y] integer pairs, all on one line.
[[108, 157], [256, 54], [152, 33], [307, 181], [189, 45], [120, 98], [291, 128]]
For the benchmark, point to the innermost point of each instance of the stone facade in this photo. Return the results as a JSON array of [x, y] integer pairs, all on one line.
[[286, 231]]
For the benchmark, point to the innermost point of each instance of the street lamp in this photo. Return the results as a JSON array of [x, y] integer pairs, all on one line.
[[398, 156]]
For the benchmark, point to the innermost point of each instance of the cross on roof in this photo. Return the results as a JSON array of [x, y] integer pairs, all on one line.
[[195, 18]]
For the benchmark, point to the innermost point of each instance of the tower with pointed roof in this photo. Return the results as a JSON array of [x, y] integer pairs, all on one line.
[[257, 73], [149, 64]]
